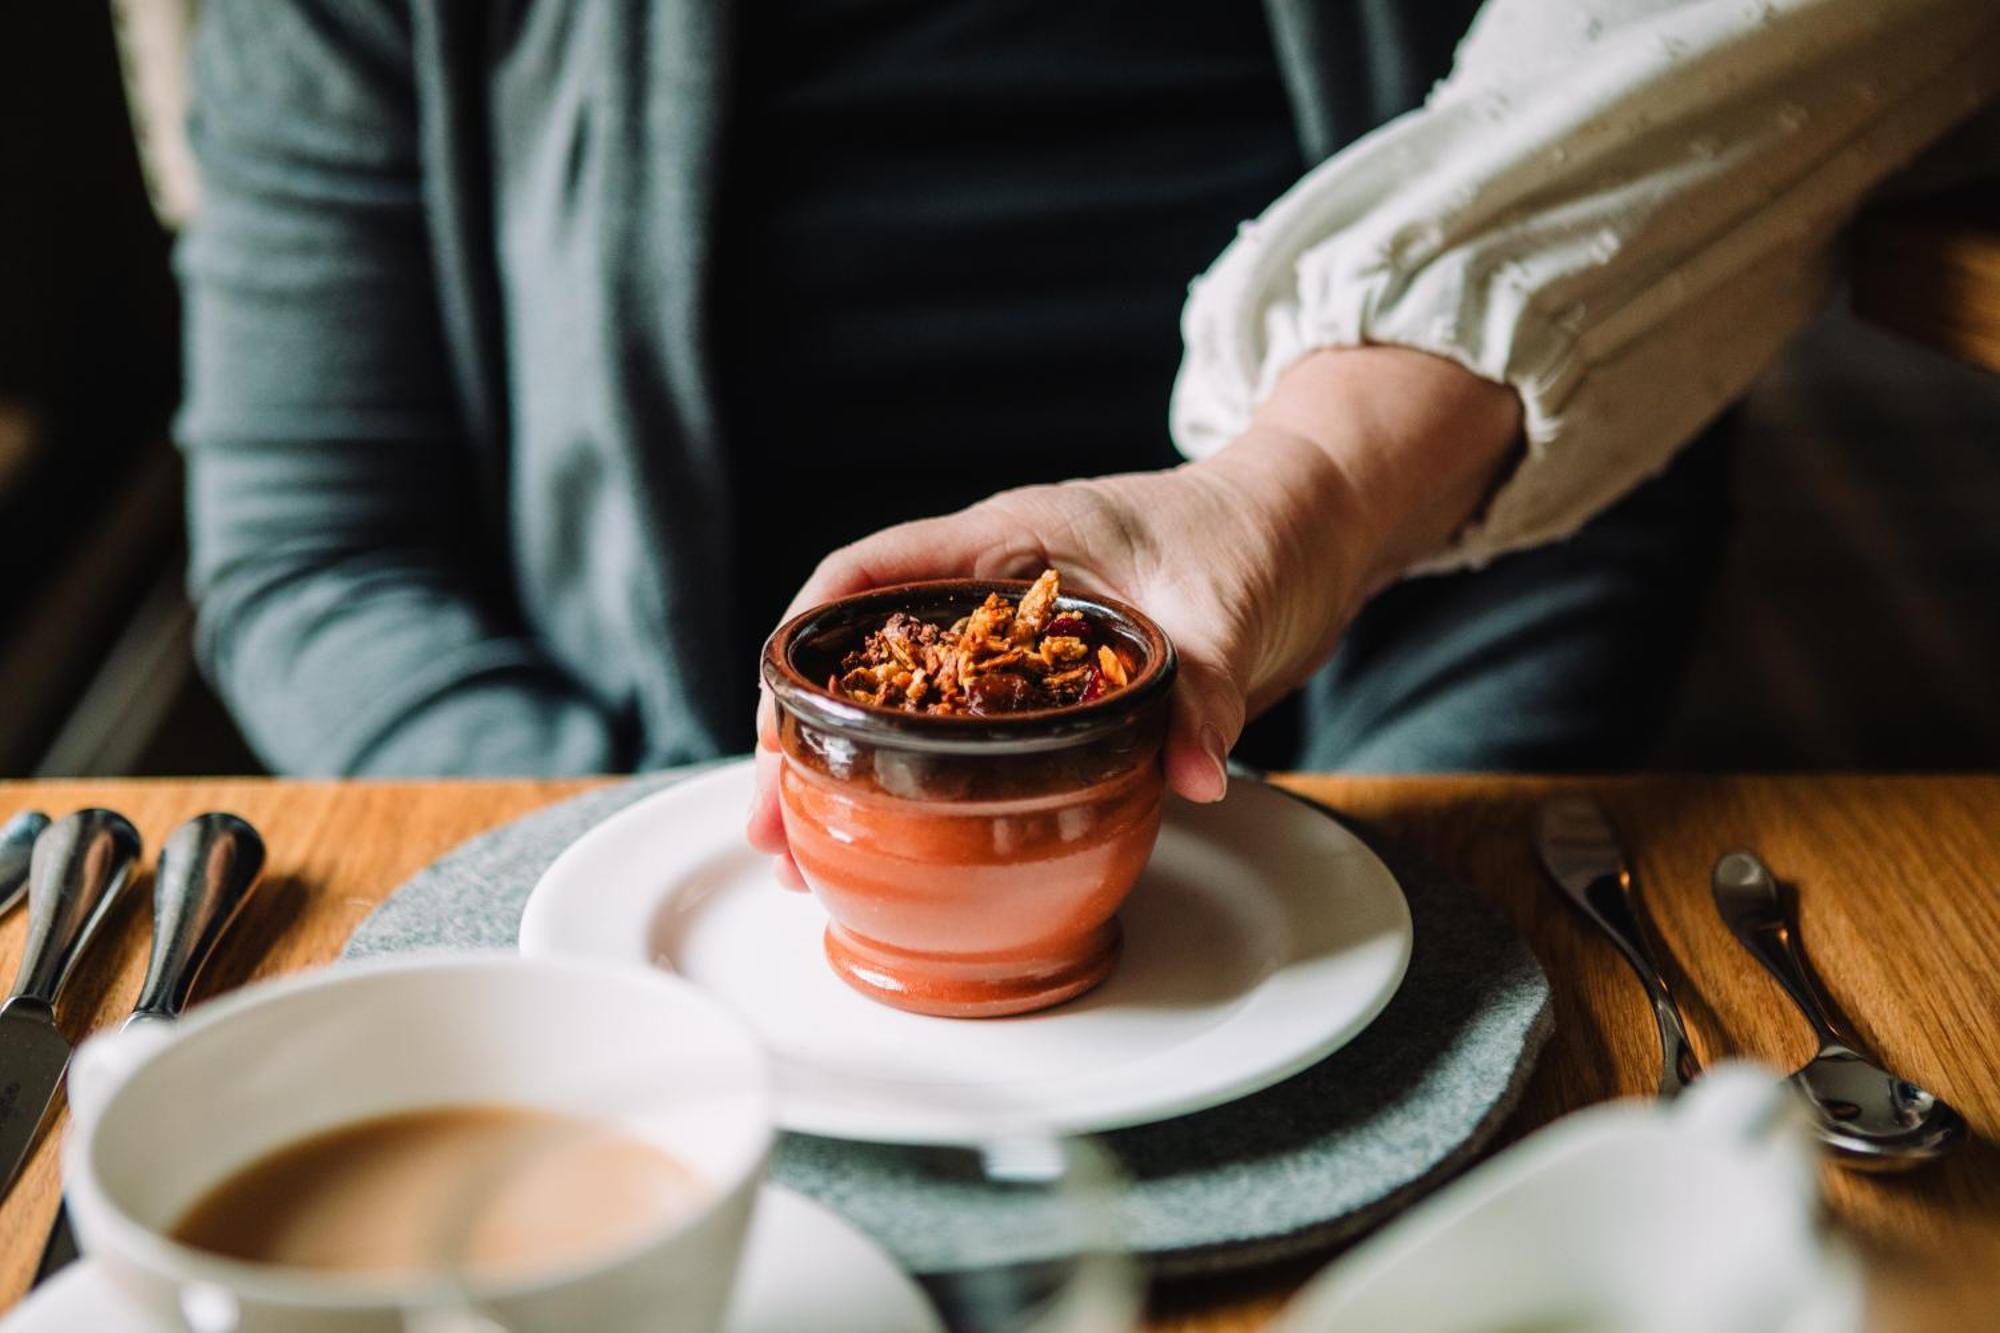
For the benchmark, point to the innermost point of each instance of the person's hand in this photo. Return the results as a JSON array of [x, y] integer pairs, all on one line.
[[1252, 561]]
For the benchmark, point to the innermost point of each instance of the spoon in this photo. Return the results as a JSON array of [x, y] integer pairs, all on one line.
[[1872, 1119]]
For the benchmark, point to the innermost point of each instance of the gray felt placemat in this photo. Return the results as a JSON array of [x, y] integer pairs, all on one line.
[[1316, 1159]]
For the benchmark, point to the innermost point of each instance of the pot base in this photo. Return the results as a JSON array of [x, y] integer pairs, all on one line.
[[976, 987]]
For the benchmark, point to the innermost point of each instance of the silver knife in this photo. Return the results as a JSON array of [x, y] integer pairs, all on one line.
[[207, 869], [80, 866], [17, 842], [1580, 850]]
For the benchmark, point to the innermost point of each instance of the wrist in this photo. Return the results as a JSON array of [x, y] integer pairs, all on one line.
[[1300, 543], [1299, 498], [1413, 445]]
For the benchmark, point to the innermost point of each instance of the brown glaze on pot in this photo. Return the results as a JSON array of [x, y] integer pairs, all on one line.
[[972, 866]]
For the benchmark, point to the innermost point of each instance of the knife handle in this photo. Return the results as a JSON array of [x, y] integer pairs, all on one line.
[[17, 844], [207, 869], [1609, 901], [80, 865]]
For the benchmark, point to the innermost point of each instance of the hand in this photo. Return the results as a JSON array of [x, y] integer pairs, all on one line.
[[1252, 561]]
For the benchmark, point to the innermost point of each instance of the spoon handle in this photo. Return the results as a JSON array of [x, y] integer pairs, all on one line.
[[1754, 908], [207, 869], [17, 843], [78, 872]]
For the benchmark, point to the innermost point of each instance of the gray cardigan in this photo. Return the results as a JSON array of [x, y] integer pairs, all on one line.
[[453, 472]]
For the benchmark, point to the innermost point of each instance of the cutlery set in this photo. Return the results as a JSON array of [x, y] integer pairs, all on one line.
[[74, 873], [1867, 1118]]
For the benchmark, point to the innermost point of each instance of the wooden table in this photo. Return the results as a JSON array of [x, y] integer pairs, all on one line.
[[1899, 880], [1930, 270]]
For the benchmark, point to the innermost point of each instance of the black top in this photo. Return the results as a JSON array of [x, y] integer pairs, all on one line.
[[956, 241]]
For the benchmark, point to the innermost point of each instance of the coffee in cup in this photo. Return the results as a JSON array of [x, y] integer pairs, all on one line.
[[487, 1191]]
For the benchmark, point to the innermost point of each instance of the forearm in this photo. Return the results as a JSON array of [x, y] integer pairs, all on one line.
[[349, 642], [381, 693], [1360, 463]]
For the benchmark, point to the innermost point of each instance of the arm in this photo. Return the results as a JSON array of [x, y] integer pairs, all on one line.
[[352, 607], [1587, 244], [1620, 208], [1253, 559]]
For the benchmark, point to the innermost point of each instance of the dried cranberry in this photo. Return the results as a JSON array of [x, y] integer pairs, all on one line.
[[1070, 626], [1095, 686], [1003, 692]]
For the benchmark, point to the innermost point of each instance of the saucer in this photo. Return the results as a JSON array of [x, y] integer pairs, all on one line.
[[1262, 937], [803, 1267]]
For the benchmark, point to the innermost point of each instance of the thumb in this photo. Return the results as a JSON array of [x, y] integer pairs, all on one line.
[[1208, 715]]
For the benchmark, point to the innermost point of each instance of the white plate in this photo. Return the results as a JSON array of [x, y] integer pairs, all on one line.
[[1262, 937], [803, 1267]]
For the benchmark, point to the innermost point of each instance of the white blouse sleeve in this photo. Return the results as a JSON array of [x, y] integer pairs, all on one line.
[[1622, 208]]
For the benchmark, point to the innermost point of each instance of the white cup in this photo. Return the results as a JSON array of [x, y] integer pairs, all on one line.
[[1635, 1216], [164, 1112]]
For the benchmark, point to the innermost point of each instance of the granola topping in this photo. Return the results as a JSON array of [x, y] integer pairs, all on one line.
[[1003, 658]]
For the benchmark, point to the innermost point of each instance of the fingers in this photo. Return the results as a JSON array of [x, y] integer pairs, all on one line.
[[901, 554], [928, 548], [1004, 536], [786, 871], [976, 542], [766, 827], [1208, 714], [767, 719]]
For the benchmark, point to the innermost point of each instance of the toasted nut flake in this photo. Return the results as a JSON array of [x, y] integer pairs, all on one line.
[[990, 620], [1036, 604]]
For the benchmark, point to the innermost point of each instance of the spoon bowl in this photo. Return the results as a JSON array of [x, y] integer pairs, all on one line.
[[1874, 1120]]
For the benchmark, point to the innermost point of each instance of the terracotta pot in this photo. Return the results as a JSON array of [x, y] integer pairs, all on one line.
[[971, 866]]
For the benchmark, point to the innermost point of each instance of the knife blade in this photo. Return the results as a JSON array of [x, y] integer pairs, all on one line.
[[33, 1055], [17, 842], [1580, 850], [208, 867], [80, 867]]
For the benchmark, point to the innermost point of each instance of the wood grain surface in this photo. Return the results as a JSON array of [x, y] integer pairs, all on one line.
[[1898, 879]]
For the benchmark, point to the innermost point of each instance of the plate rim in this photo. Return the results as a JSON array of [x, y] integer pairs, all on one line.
[[871, 1124]]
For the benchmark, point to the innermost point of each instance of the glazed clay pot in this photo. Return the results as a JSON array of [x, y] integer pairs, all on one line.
[[970, 866]]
